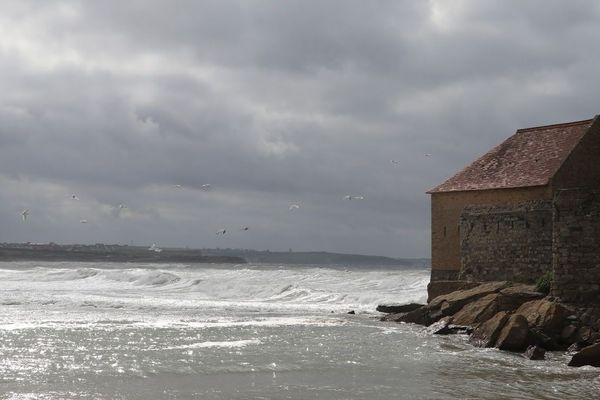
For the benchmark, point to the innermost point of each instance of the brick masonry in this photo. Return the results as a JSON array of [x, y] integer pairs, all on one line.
[[506, 242], [576, 246]]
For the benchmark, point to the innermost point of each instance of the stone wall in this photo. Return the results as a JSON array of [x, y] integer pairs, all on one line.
[[576, 246], [446, 208], [511, 243]]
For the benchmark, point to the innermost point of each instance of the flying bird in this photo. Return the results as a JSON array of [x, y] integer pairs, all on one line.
[[83, 221], [395, 161], [155, 248], [348, 197], [122, 206], [25, 214], [245, 228], [427, 154], [74, 197], [221, 232], [178, 186], [294, 207], [206, 186]]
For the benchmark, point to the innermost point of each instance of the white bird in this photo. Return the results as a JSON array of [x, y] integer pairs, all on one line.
[[74, 197], [83, 221], [178, 186], [221, 231], [294, 207], [122, 206], [395, 161], [25, 214], [206, 186], [427, 154], [348, 197], [244, 228]]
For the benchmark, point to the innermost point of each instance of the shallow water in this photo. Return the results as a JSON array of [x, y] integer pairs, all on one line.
[[128, 331]]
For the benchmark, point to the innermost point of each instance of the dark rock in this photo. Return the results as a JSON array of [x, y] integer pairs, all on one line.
[[589, 355], [398, 308], [440, 327], [485, 335], [392, 317], [460, 329], [541, 339], [534, 353], [352, 312], [572, 317], [567, 335], [419, 316], [575, 347], [514, 335]]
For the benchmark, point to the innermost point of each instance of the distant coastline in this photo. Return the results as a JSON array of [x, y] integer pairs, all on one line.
[[106, 253]]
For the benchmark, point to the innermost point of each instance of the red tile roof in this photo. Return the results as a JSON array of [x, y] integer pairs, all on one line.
[[530, 157]]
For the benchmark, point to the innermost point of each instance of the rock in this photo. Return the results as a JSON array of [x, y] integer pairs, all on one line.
[[439, 288], [575, 347], [450, 303], [513, 297], [589, 355], [568, 334], [572, 318], [419, 316], [485, 334], [514, 335], [398, 308], [543, 340], [534, 353], [392, 317], [440, 327], [352, 312], [479, 311], [548, 316]]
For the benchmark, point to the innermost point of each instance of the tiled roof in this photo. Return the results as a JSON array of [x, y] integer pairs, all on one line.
[[530, 157]]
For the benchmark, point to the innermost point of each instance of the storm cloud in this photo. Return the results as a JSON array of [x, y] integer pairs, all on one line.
[[272, 103]]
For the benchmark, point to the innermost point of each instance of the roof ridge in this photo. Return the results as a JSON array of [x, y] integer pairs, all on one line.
[[564, 124]]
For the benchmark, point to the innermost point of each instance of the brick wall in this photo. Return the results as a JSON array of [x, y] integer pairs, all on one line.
[[510, 242], [576, 246]]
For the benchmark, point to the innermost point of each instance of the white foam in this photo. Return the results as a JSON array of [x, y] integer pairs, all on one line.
[[226, 344]]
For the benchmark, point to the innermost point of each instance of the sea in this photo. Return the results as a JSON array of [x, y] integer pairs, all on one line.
[[73, 330]]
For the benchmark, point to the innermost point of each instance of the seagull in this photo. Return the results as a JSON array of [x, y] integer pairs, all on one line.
[[348, 197], [25, 214], [178, 186], [206, 186], [83, 221], [74, 197], [122, 206], [245, 228], [395, 161], [221, 232], [427, 154], [294, 207]]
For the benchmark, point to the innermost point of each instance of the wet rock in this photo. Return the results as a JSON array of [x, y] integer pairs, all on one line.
[[547, 316], [479, 311], [352, 312], [572, 318], [567, 335], [575, 347], [419, 316], [541, 339], [589, 355], [398, 308], [451, 303], [485, 335], [440, 327], [513, 297], [535, 353], [514, 335]]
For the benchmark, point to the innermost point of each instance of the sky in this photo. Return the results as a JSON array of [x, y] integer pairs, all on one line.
[[272, 103]]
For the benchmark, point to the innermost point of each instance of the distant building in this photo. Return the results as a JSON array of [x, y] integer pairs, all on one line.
[[497, 218]]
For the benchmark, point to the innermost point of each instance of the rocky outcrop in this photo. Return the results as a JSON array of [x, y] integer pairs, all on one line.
[[589, 355], [512, 317], [439, 288], [398, 308]]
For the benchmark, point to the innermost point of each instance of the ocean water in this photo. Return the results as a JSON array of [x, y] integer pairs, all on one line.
[[130, 331]]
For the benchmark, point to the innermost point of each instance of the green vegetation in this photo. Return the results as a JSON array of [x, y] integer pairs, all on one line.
[[544, 282]]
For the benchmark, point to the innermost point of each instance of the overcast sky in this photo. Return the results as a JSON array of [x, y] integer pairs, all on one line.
[[272, 103]]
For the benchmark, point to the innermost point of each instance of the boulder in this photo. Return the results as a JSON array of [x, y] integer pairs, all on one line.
[[440, 327], [438, 288], [419, 316], [451, 303], [398, 308], [548, 316], [567, 335], [514, 336], [534, 353], [589, 355], [479, 311], [584, 335], [513, 297], [485, 334]]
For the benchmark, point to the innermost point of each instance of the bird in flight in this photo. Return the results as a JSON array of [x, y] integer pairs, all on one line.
[[348, 197], [427, 154], [74, 197], [178, 186], [395, 161], [155, 248], [245, 228], [122, 206], [83, 221], [294, 207], [221, 232], [25, 214], [206, 186]]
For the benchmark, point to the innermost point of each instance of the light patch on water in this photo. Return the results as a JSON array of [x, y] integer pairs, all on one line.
[[226, 344]]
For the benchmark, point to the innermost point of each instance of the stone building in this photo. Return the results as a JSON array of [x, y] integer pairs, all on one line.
[[503, 217]]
